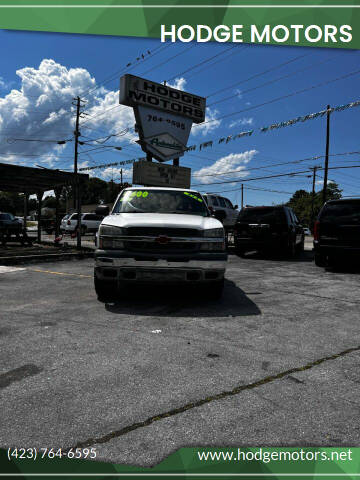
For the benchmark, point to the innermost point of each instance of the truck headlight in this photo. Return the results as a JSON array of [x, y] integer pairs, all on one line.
[[108, 243], [108, 237], [213, 246], [110, 231], [214, 232]]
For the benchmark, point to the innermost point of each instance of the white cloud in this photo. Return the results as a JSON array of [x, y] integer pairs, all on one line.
[[42, 109], [242, 122], [205, 128], [238, 93], [211, 115], [115, 173], [234, 162], [2, 83], [321, 182], [179, 83]]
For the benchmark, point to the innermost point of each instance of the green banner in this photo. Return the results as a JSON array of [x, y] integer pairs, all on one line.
[[320, 24], [240, 462]]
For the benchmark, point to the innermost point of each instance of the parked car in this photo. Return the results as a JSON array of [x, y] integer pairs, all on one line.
[[267, 229], [337, 231], [9, 225], [21, 220], [307, 231], [216, 203], [63, 223], [90, 222]]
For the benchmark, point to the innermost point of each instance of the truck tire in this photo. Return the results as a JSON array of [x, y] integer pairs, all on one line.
[[105, 290], [291, 249], [301, 246], [240, 252], [320, 260]]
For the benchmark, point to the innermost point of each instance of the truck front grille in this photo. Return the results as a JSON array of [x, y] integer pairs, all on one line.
[[157, 231], [171, 247]]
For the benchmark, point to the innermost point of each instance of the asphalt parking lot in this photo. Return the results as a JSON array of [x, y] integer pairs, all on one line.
[[275, 362]]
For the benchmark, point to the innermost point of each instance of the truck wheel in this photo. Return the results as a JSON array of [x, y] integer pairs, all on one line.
[[105, 290], [320, 260], [215, 290], [300, 247], [238, 249], [291, 250]]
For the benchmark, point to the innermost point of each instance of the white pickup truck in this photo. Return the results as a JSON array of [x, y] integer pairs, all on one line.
[[159, 235]]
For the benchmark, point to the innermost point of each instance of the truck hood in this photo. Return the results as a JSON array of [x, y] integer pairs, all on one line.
[[170, 220]]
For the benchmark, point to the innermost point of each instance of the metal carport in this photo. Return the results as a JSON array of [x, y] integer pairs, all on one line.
[[30, 180]]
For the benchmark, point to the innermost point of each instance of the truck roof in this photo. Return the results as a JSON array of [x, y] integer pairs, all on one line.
[[161, 188]]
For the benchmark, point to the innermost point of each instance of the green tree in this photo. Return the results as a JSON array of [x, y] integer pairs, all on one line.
[[49, 202], [301, 202], [94, 191], [12, 202]]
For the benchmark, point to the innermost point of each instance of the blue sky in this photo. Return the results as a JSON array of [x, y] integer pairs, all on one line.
[[36, 102]]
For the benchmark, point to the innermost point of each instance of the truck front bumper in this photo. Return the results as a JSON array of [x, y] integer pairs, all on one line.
[[148, 268]]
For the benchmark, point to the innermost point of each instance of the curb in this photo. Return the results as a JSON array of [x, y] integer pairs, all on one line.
[[50, 257]]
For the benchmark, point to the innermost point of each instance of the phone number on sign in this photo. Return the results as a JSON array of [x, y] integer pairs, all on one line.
[[155, 118], [34, 453]]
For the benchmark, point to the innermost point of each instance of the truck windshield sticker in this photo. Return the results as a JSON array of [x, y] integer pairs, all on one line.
[[137, 193], [193, 196]]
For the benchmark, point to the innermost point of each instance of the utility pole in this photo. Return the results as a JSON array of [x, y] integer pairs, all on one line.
[[242, 196], [121, 177], [313, 195], [77, 193], [326, 152]]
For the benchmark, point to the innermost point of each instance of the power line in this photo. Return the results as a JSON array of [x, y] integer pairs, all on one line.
[[118, 105], [128, 66], [258, 74], [322, 84], [241, 49], [272, 176], [167, 60], [88, 91], [3, 154], [201, 63], [270, 82], [276, 164]]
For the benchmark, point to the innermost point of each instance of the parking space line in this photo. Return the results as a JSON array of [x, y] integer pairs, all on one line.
[[60, 273]]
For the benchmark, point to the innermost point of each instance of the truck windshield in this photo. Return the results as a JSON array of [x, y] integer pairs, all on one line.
[[161, 201], [268, 215], [343, 212]]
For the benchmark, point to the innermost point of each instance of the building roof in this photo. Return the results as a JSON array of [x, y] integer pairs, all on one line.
[[16, 178]]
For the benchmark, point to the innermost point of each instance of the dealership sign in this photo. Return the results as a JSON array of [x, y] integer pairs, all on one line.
[[158, 175], [136, 91], [164, 115], [164, 145]]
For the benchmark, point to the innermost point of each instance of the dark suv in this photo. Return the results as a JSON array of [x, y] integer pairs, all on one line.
[[337, 231], [268, 229], [9, 225]]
